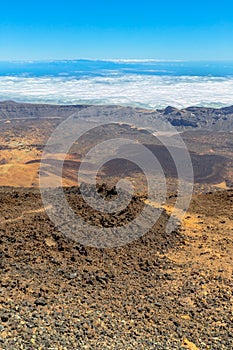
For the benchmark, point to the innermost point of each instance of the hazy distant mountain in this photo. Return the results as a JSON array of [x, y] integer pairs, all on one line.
[[189, 118]]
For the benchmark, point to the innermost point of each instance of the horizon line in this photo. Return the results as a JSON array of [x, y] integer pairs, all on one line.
[[114, 60]]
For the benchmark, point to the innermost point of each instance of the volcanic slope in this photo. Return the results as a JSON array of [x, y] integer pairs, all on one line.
[[163, 291]]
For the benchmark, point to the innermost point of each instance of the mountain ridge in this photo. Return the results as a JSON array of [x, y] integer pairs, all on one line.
[[217, 119]]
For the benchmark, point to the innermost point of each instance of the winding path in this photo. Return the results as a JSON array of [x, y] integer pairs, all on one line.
[[18, 218]]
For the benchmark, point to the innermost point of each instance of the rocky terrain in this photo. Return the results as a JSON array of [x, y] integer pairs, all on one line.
[[25, 129], [163, 291], [220, 119]]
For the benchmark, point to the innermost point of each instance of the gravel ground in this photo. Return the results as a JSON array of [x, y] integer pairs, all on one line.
[[58, 294]]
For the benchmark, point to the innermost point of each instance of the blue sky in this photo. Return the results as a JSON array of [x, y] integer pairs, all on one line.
[[197, 30]]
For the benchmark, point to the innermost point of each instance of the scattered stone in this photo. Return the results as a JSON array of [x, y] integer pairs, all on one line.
[[40, 302]]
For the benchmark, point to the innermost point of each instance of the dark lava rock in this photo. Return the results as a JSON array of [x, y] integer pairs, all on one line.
[[40, 302]]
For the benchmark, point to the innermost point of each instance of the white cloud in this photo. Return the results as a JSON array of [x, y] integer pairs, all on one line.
[[137, 90]]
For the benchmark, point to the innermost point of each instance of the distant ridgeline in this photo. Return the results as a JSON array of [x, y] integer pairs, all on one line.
[[189, 118]]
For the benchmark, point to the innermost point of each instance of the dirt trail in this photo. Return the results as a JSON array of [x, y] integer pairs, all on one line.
[[18, 218], [206, 235]]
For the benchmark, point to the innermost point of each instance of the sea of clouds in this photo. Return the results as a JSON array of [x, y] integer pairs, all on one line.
[[135, 90], [145, 83]]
